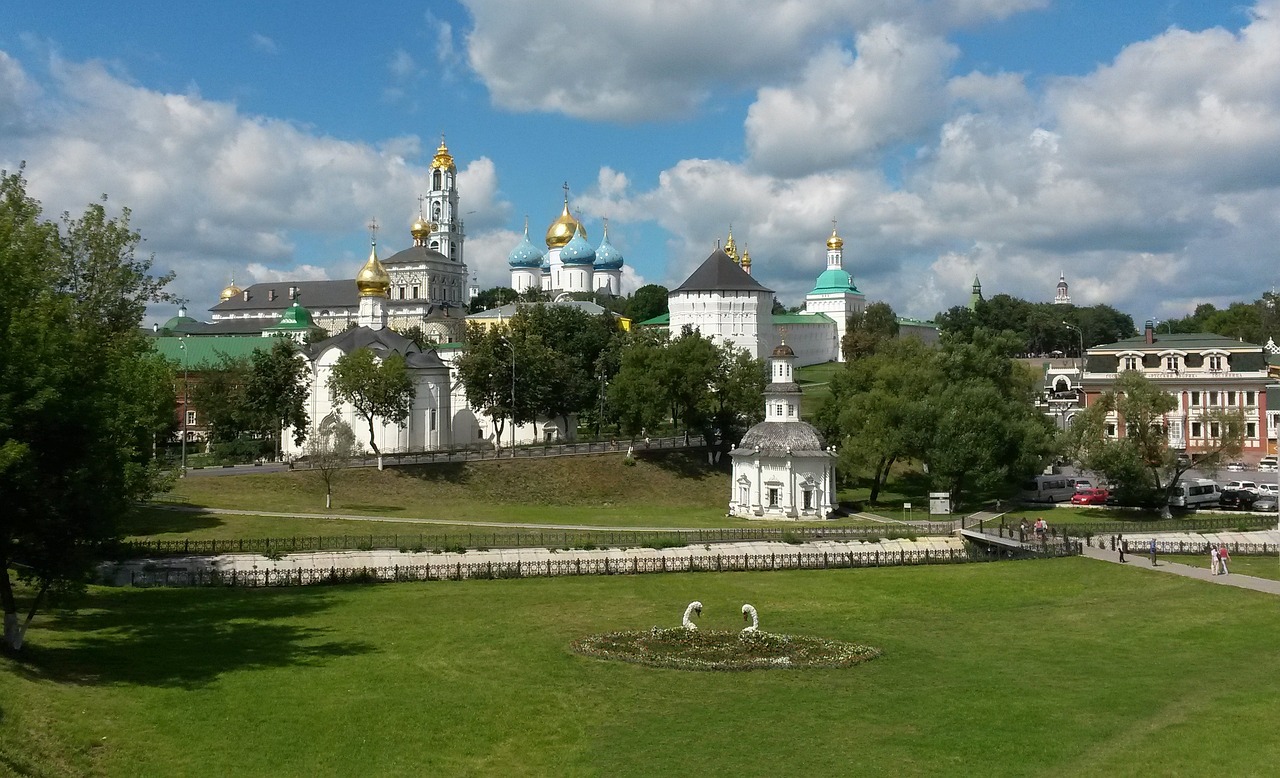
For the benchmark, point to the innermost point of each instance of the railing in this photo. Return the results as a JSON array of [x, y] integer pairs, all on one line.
[[1246, 521], [458, 571], [134, 549], [1186, 547], [531, 451]]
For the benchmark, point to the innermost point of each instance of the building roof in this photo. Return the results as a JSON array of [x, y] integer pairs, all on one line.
[[382, 342], [777, 437], [204, 353], [834, 281], [1182, 341], [509, 310], [415, 255], [661, 320], [720, 273], [801, 318], [313, 294]]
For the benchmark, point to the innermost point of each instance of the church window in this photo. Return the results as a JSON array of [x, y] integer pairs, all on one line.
[[453, 249], [742, 495], [431, 420], [415, 292], [775, 496], [791, 410], [435, 245], [436, 180], [808, 499]]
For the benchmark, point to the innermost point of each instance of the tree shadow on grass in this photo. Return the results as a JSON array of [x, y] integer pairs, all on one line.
[[182, 637], [685, 464], [153, 520], [443, 472]]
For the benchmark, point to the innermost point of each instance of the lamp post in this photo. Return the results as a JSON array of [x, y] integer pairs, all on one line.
[[1080, 353], [600, 418], [182, 344], [512, 346]]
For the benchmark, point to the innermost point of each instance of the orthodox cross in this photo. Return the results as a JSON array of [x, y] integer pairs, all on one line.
[[373, 230]]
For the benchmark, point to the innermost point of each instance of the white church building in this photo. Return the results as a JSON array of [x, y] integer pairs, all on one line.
[[781, 470], [570, 264]]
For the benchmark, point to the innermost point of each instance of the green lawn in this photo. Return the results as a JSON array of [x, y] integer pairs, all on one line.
[[1256, 566], [1058, 667]]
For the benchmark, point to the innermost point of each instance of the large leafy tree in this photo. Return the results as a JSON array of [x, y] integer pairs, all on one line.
[[377, 387], [275, 395], [79, 396], [485, 369], [868, 330], [492, 298], [647, 302], [636, 393], [218, 392], [1139, 463]]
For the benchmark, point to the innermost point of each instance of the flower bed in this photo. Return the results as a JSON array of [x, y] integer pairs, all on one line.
[[683, 649]]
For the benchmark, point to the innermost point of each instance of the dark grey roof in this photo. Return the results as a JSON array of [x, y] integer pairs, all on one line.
[[316, 295], [382, 342], [415, 255], [774, 437], [782, 388], [719, 272]]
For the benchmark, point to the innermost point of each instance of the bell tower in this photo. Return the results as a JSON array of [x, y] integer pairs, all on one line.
[[442, 206]]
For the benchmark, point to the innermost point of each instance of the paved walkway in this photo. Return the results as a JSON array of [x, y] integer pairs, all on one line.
[[1143, 561]]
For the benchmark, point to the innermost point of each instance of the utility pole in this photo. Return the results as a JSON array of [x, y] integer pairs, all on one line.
[[182, 344]]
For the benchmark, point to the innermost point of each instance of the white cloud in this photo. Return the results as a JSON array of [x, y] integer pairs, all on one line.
[[263, 44], [843, 108], [259, 273], [212, 190]]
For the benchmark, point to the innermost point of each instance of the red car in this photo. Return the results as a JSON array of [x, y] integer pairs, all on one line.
[[1090, 497]]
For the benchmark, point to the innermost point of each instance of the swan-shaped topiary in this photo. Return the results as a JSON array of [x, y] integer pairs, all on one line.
[[694, 607], [749, 614]]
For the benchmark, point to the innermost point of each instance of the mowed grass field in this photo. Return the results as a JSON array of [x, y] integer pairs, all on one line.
[[1057, 667]]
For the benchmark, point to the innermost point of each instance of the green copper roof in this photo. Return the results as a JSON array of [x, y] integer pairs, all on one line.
[[657, 321], [201, 353], [295, 317], [1178, 341], [833, 281]]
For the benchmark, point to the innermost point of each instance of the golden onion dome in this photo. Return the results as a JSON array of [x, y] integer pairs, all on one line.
[[746, 258], [562, 229], [373, 280], [443, 159], [231, 291], [421, 227], [731, 247], [835, 242]]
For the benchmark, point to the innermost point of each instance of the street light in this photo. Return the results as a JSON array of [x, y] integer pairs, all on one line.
[[1080, 353], [182, 344], [512, 346]]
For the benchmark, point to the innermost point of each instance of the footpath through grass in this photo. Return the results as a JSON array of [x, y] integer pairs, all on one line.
[[1041, 667]]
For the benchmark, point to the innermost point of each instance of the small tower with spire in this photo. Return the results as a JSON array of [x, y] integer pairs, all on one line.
[[975, 293], [731, 248], [1061, 297], [835, 295]]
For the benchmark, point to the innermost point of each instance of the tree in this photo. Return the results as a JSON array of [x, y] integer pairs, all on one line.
[[219, 393], [492, 298], [484, 367], [376, 387], [275, 395], [737, 384], [329, 451], [636, 393], [79, 404], [1139, 462], [867, 329], [647, 302]]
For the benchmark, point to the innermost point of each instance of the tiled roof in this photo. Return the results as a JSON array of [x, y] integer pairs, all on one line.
[[201, 353], [720, 273]]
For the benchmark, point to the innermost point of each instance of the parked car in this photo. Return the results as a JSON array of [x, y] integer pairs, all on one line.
[[1090, 496], [1237, 499], [1248, 486], [1270, 490], [1235, 467], [1081, 484], [1266, 503], [1183, 459], [1267, 464]]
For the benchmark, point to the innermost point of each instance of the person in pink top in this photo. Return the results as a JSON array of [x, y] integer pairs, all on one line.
[[1223, 558]]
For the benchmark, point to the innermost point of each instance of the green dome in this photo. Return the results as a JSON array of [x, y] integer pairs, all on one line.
[[833, 281], [295, 317], [178, 324]]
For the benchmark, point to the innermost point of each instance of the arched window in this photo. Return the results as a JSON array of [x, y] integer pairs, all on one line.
[[435, 180]]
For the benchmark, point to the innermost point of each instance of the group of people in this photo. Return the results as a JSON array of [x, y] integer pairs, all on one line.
[[1218, 559]]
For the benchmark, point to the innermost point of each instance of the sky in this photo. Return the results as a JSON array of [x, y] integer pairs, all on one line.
[[1131, 146]]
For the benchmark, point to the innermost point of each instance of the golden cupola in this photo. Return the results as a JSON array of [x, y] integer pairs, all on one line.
[[373, 280], [420, 229], [835, 242], [443, 160], [231, 291], [731, 247], [562, 229]]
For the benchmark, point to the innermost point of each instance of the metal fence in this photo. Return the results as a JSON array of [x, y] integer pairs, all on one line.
[[1187, 547], [534, 451], [460, 571], [135, 549], [1244, 521]]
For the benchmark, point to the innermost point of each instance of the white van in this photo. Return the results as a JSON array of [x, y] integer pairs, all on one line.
[[1267, 464], [1047, 488], [1195, 493]]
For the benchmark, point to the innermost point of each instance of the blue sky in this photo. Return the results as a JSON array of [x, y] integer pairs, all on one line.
[[1128, 145]]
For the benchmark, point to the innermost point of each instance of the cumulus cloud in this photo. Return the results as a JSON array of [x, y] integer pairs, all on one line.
[[213, 190], [259, 273], [844, 107]]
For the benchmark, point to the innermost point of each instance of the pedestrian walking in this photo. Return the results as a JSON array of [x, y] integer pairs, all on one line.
[[1121, 546], [1153, 552], [1214, 559], [1224, 557]]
